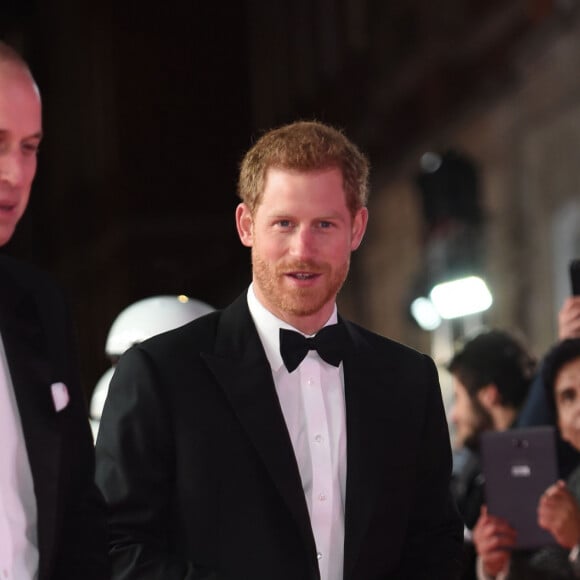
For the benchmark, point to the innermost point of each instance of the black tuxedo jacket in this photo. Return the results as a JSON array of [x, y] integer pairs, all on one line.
[[197, 467], [37, 336]]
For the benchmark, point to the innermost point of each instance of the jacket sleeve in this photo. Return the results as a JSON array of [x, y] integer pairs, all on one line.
[[434, 541], [136, 473]]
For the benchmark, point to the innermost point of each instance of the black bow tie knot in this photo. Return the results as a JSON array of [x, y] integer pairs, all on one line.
[[329, 342]]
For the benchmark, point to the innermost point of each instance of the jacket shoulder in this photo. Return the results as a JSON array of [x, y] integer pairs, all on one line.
[[23, 282], [382, 344], [27, 276], [195, 335]]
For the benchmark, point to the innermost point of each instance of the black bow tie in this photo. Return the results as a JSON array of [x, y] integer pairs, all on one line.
[[329, 342]]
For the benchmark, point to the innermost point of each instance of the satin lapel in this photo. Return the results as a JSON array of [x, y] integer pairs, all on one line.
[[30, 371], [367, 395], [240, 366]]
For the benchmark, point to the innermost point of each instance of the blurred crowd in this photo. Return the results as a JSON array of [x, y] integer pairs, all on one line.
[[498, 386]]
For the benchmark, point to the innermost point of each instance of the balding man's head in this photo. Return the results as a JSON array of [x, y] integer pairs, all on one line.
[[20, 134], [10, 58]]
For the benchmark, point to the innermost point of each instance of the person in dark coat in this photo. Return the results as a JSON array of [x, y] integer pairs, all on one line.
[[52, 524], [274, 440], [491, 376]]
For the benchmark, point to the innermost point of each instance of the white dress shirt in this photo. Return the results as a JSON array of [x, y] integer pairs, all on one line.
[[312, 401], [18, 534]]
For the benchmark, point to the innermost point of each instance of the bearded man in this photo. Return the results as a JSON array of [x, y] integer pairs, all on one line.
[[491, 377], [273, 439]]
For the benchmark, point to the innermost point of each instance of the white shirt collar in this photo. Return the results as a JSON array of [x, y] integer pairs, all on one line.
[[268, 327]]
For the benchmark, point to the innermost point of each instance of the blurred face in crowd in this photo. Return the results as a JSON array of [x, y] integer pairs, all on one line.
[[20, 134], [301, 234], [567, 397], [468, 416]]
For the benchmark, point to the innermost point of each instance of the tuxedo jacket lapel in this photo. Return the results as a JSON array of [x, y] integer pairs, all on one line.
[[240, 366], [31, 373]]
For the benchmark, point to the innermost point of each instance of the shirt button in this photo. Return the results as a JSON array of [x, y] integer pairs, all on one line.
[[319, 555], [322, 497], [318, 439], [309, 382]]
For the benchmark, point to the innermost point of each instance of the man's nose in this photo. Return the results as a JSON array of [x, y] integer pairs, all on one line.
[[11, 170], [302, 245]]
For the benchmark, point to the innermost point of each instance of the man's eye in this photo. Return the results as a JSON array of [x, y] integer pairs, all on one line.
[[325, 225], [30, 148], [284, 223]]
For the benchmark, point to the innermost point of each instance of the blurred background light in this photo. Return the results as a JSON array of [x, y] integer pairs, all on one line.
[[425, 314], [461, 297]]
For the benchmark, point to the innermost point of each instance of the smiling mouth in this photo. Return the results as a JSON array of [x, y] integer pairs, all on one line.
[[303, 275]]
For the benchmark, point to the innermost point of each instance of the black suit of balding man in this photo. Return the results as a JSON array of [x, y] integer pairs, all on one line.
[[38, 341]]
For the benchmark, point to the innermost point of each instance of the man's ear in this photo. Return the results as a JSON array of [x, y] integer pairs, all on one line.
[[359, 226], [488, 396], [245, 225]]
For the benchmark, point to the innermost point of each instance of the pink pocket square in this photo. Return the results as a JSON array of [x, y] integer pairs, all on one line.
[[60, 396]]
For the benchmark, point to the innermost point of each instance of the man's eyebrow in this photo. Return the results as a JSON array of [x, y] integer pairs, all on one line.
[[38, 135]]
